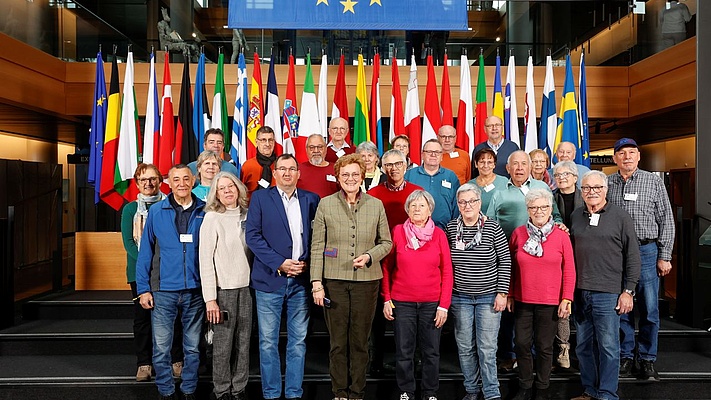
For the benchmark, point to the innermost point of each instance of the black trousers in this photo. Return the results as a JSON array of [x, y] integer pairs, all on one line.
[[539, 321]]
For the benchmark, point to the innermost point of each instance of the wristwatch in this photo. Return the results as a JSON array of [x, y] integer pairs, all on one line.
[[630, 292]]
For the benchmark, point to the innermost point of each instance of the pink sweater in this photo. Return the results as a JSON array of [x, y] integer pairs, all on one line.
[[542, 280], [422, 275]]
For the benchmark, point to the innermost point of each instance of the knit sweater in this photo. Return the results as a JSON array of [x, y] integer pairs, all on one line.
[[223, 253], [542, 280], [320, 180], [394, 202], [459, 164], [422, 275]]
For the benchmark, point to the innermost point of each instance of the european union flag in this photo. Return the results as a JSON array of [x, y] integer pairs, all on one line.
[[98, 128]]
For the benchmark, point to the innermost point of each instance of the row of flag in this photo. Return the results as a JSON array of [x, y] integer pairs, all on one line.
[[116, 145]]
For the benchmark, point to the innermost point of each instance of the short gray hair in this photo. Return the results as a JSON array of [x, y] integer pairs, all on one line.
[[205, 155], [528, 157], [596, 173], [396, 153], [367, 146], [419, 194], [535, 194], [469, 187], [566, 165]]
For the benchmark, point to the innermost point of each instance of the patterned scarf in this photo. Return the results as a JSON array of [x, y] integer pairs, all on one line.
[[536, 237], [139, 219], [479, 228]]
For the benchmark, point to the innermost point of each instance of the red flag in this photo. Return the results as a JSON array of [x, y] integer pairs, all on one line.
[[186, 146], [108, 165], [465, 113], [432, 120], [340, 99], [397, 125], [166, 143], [255, 116], [447, 118], [376, 129], [290, 113]]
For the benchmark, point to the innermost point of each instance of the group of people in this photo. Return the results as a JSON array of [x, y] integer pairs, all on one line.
[[513, 249]]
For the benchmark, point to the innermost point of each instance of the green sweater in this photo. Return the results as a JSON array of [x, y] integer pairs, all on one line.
[[127, 213]]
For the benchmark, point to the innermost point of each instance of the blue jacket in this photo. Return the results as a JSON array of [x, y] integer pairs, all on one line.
[[269, 238], [176, 267]]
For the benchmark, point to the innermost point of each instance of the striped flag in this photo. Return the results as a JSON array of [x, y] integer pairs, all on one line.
[[151, 133], [568, 116], [584, 148], [465, 111], [397, 120], [497, 108], [361, 127], [530, 128], [166, 143], [220, 120], [549, 119], [308, 121], [239, 123], [446, 105], [413, 126], [340, 98], [290, 114], [186, 145], [128, 145], [108, 160], [272, 118], [432, 120], [255, 116], [481, 107], [376, 126], [510, 110], [323, 97], [98, 128], [201, 111]]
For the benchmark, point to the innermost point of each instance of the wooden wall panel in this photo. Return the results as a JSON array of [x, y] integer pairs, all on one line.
[[100, 261]]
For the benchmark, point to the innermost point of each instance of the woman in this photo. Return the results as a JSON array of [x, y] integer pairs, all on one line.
[[208, 164], [417, 292], [133, 217], [482, 268], [402, 143], [224, 273], [541, 290], [487, 181], [373, 175], [539, 167], [350, 237]]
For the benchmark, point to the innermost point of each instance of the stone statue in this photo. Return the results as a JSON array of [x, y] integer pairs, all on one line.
[[171, 39]]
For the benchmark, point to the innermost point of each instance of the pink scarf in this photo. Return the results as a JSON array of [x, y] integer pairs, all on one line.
[[416, 236]]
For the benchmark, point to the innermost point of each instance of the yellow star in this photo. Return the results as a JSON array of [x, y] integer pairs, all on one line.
[[375, 2], [348, 6], [100, 101], [322, 2]]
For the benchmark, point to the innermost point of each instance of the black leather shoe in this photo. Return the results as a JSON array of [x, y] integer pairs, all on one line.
[[626, 365], [647, 371], [523, 394]]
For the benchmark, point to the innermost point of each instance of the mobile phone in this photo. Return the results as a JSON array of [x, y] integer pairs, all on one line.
[[327, 302], [225, 315]]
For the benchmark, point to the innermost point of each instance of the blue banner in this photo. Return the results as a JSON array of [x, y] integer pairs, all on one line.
[[427, 15]]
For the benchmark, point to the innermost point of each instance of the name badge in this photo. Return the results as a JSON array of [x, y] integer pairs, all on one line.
[[186, 238], [524, 190], [330, 178], [263, 183], [630, 196], [454, 154], [415, 243], [488, 188], [459, 245], [340, 153], [330, 252], [446, 184], [594, 219]]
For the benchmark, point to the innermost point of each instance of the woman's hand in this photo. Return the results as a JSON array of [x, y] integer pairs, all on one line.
[[388, 311], [500, 302], [440, 318], [213, 312], [318, 293], [510, 304], [564, 309]]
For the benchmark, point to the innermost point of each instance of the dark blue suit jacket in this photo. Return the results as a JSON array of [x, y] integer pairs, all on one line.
[[269, 238]]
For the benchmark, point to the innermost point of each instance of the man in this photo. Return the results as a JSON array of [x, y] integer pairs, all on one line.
[[257, 171], [440, 182], [338, 147], [643, 195], [318, 175], [673, 21], [278, 232], [215, 141], [456, 160], [393, 193], [566, 152], [171, 287], [508, 207], [494, 128], [607, 264]]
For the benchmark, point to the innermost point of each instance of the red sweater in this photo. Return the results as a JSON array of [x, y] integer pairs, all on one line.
[[394, 202], [314, 179], [332, 157], [542, 280], [421, 275]]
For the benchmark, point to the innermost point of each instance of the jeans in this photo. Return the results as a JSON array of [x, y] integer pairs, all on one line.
[[598, 347], [415, 321], [191, 307], [476, 327], [647, 305], [143, 335], [269, 310], [230, 343], [539, 321]]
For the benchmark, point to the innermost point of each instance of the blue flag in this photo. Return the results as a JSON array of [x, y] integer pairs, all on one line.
[[568, 116], [201, 111], [584, 150], [98, 128], [420, 15], [238, 152]]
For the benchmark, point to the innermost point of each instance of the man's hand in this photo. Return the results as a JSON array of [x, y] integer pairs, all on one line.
[[292, 267], [563, 227], [146, 300], [361, 261], [624, 303], [663, 267]]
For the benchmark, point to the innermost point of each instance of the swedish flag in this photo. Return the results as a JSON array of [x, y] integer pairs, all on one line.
[[568, 128]]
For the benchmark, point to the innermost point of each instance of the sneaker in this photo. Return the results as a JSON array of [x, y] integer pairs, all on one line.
[[523, 394], [563, 358], [626, 365], [144, 373], [177, 369], [583, 396], [405, 396], [647, 371]]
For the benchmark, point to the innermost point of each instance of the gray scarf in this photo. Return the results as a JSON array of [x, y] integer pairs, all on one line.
[[536, 237]]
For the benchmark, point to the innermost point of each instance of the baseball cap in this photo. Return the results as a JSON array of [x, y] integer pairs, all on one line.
[[625, 142]]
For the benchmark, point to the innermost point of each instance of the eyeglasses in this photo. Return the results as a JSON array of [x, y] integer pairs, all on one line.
[[471, 203], [266, 140], [493, 125], [539, 162], [284, 169], [538, 208], [433, 152], [345, 176], [562, 175], [447, 137], [397, 164], [338, 128], [231, 186], [314, 148], [594, 189], [152, 179]]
